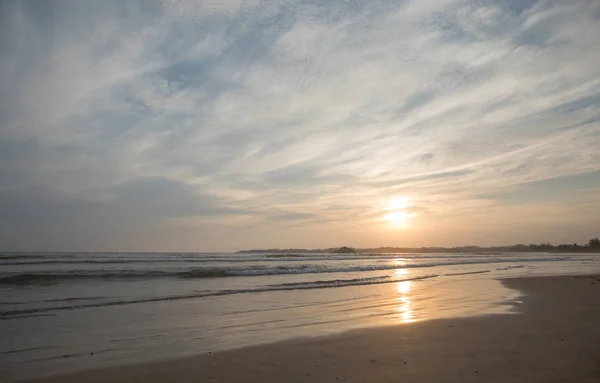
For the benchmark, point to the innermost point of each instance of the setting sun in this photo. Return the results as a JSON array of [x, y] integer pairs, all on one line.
[[396, 212], [398, 203], [398, 218]]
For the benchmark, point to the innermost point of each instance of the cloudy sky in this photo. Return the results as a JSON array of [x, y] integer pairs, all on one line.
[[219, 125]]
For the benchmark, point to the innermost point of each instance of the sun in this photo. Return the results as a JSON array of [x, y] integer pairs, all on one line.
[[398, 218], [397, 214], [397, 203]]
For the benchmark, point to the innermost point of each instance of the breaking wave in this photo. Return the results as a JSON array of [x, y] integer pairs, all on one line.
[[49, 277]]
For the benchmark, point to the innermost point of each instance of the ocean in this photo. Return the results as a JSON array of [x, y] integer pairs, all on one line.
[[62, 312]]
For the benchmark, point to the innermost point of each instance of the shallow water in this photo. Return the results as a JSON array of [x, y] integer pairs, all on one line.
[[62, 312]]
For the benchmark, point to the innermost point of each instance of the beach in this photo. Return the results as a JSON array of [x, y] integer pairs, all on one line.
[[553, 336], [299, 191]]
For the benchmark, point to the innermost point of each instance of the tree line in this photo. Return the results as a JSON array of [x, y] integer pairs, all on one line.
[[592, 246]]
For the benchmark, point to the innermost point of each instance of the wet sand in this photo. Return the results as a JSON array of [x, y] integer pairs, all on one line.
[[554, 338]]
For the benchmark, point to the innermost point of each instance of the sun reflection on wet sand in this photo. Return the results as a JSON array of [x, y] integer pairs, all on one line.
[[406, 314], [403, 287]]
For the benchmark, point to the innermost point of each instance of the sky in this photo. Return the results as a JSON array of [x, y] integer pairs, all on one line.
[[221, 125]]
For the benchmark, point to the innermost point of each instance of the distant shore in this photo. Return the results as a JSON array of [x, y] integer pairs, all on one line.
[[544, 248], [554, 338]]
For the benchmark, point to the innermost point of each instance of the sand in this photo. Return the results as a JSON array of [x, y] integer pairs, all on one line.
[[554, 338]]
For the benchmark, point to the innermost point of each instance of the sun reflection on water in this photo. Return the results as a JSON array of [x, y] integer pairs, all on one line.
[[406, 314], [403, 287]]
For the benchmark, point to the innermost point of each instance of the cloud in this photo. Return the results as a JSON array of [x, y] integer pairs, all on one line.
[[553, 189], [256, 112], [135, 201], [203, 8]]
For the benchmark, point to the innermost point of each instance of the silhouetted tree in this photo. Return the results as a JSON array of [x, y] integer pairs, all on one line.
[[345, 250], [594, 243]]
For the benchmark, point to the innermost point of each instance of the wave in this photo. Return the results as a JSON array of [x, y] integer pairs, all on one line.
[[267, 258], [511, 267], [467, 273], [20, 257], [42, 277], [204, 294], [107, 259], [336, 282], [5, 256]]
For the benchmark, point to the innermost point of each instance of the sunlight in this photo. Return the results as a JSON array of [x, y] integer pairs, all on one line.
[[403, 287], [406, 313], [398, 203], [397, 215], [398, 218]]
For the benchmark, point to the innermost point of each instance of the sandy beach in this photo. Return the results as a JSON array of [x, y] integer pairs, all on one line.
[[555, 337]]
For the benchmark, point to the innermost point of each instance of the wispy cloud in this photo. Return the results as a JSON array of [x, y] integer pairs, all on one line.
[[241, 119]]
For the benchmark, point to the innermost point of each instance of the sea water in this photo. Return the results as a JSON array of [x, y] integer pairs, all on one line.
[[61, 312]]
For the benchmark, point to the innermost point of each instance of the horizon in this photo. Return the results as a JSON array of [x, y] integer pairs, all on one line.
[[311, 249], [187, 126]]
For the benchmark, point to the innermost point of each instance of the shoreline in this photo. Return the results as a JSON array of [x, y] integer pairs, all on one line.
[[555, 337]]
